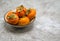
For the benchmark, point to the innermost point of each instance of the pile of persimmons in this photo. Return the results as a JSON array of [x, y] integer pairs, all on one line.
[[22, 16]]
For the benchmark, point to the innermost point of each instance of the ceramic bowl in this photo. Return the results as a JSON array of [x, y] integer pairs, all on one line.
[[19, 25]]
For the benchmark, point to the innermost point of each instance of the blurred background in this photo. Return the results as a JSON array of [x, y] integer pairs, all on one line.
[[45, 28]]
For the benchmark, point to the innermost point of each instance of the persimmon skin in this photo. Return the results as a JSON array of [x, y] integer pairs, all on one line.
[[32, 13], [22, 13], [13, 20], [23, 21]]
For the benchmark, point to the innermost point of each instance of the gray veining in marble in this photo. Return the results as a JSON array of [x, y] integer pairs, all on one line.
[[45, 28]]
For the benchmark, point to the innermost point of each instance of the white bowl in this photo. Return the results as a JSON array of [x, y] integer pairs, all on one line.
[[19, 25]]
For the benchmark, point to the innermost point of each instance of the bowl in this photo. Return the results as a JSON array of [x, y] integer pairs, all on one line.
[[19, 26]]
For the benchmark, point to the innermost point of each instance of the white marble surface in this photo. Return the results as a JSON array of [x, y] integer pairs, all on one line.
[[45, 28]]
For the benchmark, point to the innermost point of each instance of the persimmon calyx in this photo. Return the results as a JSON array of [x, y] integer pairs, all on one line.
[[20, 8], [28, 11], [12, 16]]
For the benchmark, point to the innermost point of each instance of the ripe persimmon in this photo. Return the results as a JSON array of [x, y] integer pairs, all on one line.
[[11, 18], [20, 11], [31, 13], [23, 21]]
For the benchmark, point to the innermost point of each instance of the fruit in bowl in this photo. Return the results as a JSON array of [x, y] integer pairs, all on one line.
[[21, 17], [23, 21], [21, 10], [11, 18]]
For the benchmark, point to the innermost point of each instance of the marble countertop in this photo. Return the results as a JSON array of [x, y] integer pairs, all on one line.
[[46, 26]]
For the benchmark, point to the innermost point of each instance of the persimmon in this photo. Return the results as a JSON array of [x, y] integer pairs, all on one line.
[[31, 13], [11, 18], [20, 11], [23, 21]]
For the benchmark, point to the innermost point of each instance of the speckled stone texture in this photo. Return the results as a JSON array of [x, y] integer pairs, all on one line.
[[45, 28]]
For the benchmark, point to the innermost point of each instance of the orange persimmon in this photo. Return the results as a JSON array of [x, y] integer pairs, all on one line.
[[23, 21], [20, 11], [11, 18], [31, 13]]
